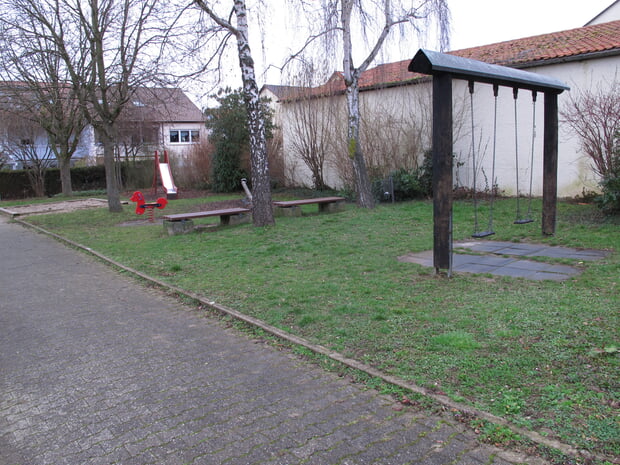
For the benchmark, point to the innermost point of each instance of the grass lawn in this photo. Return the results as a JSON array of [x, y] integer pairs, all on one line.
[[530, 351]]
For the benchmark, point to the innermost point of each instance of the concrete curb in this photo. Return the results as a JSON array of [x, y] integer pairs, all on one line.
[[320, 350]]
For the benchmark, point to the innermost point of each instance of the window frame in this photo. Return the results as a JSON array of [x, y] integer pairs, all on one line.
[[183, 136]]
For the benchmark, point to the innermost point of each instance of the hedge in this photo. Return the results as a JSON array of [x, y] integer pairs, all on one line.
[[15, 184]]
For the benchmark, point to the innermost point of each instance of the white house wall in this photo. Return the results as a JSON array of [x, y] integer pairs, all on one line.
[[412, 103], [296, 171], [180, 150], [86, 150], [389, 118], [612, 13], [574, 168], [508, 143]]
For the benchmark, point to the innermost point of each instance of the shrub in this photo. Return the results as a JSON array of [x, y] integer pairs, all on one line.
[[609, 200], [136, 174], [194, 170], [231, 137], [407, 184]]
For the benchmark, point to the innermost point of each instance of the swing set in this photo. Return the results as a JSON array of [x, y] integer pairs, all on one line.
[[444, 68], [520, 218]]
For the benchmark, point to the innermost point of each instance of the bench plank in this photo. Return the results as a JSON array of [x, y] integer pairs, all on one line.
[[319, 200], [222, 213]]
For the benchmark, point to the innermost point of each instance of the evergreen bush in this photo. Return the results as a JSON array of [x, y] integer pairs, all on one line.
[[231, 138]]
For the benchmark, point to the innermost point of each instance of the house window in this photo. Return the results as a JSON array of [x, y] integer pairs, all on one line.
[[184, 136]]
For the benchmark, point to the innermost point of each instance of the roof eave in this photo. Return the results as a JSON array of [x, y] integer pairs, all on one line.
[[566, 59], [436, 63]]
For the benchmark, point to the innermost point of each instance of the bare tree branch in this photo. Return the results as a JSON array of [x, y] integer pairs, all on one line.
[[594, 116]]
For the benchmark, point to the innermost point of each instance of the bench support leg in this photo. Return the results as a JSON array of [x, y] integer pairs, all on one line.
[[240, 218], [174, 228], [295, 210], [333, 207]]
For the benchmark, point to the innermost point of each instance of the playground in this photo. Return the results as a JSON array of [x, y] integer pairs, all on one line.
[[541, 354], [539, 351]]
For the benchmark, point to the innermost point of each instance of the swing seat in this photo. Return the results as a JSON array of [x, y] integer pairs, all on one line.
[[483, 234], [523, 221]]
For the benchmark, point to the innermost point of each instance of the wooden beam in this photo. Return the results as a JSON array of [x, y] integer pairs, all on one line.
[[550, 164], [429, 62], [442, 172]]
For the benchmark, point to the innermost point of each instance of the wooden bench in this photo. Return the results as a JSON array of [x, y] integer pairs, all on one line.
[[292, 207], [182, 222]]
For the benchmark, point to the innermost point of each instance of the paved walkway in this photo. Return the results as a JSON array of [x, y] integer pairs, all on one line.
[[509, 259], [96, 369]]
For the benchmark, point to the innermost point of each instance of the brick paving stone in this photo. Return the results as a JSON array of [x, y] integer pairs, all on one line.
[[97, 369]]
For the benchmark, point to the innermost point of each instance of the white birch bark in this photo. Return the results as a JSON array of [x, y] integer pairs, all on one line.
[[262, 210], [352, 73]]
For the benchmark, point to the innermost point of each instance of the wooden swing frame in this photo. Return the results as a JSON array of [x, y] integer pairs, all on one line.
[[444, 68]]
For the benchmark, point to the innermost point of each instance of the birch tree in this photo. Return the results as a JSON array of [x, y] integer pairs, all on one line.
[[370, 22], [235, 24]]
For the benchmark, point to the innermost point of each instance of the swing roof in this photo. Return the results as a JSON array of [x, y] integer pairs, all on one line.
[[430, 62]]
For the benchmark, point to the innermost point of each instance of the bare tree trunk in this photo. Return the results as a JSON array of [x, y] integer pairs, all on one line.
[[111, 180], [362, 181], [36, 176], [262, 210], [64, 165]]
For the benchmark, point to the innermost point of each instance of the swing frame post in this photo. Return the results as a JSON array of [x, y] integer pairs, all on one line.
[[550, 164], [444, 68], [442, 172]]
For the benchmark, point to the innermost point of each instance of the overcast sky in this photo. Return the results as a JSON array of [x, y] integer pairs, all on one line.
[[481, 22], [474, 22]]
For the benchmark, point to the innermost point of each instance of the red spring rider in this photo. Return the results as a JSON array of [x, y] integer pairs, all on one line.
[[142, 205]]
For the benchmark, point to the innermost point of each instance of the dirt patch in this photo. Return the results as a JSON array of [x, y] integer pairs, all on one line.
[[67, 206], [64, 206], [199, 207]]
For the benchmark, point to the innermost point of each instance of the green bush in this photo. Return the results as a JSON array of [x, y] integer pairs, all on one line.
[[609, 200], [135, 174], [14, 185], [231, 137], [407, 184], [227, 172]]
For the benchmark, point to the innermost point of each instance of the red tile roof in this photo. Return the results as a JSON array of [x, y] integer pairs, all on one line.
[[557, 45], [519, 53]]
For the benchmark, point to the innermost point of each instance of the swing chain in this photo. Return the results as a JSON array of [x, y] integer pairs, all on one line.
[[477, 233]]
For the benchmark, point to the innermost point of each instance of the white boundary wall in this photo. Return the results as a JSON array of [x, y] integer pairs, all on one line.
[[393, 109]]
